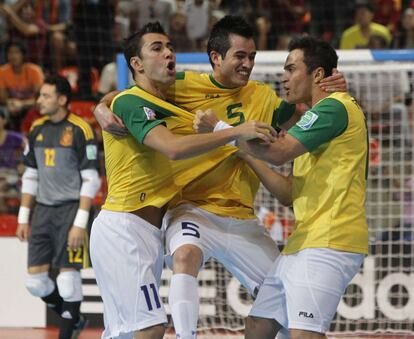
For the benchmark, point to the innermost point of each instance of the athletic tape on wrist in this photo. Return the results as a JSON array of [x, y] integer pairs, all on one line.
[[221, 125], [81, 219], [224, 125], [24, 214]]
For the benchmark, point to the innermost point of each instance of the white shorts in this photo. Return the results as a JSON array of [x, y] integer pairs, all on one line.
[[302, 290], [127, 257], [244, 247]]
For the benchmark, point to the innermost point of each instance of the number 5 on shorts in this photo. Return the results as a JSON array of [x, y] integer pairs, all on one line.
[[190, 228]]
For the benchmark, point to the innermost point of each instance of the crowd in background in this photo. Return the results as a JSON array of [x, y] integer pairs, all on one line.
[[79, 40]]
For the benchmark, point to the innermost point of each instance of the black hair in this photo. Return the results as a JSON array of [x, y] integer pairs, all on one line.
[[219, 41], [62, 86], [316, 53], [132, 44], [18, 44]]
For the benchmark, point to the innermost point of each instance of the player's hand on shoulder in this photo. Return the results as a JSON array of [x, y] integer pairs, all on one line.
[[76, 237], [108, 121], [205, 121], [251, 130], [334, 83], [23, 232]]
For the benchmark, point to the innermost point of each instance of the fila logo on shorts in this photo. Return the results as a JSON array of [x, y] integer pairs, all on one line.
[[305, 314]]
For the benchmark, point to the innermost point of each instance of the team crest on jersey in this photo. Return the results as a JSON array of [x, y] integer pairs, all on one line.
[[307, 120], [150, 113], [66, 138], [39, 137]]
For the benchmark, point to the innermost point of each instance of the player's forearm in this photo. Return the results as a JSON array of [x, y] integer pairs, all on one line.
[[27, 200], [192, 145], [277, 184], [85, 203], [269, 153], [284, 149]]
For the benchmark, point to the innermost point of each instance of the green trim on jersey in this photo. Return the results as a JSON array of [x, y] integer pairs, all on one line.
[[323, 122], [217, 84], [282, 114], [130, 109], [180, 76]]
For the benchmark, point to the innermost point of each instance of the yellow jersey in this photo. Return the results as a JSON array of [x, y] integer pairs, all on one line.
[[329, 181], [139, 176], [229, 187]]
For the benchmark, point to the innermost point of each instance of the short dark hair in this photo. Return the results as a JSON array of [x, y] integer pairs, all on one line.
[[219, 41], [316, 53], [132, 44], [61, 84], [18, 44]]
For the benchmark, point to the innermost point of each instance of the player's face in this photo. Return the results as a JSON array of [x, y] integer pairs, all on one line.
[[297, 83], [157, 62], [235, 68], [48, 100]]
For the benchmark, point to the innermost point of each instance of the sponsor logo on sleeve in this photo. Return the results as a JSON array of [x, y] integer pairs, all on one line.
[[307, 120], [91, 152], [150, 113]]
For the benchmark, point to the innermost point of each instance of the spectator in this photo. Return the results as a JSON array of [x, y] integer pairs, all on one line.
[[145, 11], [4, 35], [387, 13], [330, 19], [26, 28], [405, 37], [57, 15], [285, 17], [377, 42], [11, 162], [178, 33], [93, 24], [198, 16], [357, 36], [19, 83]]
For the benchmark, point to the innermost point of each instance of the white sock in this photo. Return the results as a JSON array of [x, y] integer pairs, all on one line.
[[183, 301]]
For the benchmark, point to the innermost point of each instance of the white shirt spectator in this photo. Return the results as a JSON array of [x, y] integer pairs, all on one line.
[[198, 15]]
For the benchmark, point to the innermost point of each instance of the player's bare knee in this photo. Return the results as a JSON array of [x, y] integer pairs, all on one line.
[[39, 284], [69, 284], [187, 257], [261, 328], [301, 334], [153, 332]]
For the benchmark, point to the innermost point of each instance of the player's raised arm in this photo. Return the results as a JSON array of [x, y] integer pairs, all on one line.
[[179, 147]]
